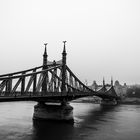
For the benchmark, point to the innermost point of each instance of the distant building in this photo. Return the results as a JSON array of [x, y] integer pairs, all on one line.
[[121, 90], [133, 91], [94, 86]]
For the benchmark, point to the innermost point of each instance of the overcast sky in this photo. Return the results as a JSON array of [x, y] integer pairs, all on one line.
[[103, 36]]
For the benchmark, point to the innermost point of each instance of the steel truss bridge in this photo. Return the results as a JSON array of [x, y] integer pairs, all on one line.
[[53, 81]]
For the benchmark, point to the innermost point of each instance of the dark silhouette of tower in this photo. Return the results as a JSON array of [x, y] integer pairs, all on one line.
[[64, 54], [45, 56], [111, 81], [103, 81], [45, 59], [104, 86]]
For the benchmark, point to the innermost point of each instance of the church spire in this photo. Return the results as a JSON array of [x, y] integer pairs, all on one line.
[[111, 81], [103, 81]]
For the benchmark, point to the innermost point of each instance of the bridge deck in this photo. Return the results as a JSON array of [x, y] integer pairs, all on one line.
[[45, 97]]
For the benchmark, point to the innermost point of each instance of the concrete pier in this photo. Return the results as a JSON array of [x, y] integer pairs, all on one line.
[[59, 112], [108, 102]]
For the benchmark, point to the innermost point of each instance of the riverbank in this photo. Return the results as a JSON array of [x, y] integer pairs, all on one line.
[[131, 101], [128, 101], [87, 100]]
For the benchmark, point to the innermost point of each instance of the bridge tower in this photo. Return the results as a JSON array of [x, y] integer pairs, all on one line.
[[45, 59], [45, 56], [107, 101], [104, 86], [62, 111], [64, 54]]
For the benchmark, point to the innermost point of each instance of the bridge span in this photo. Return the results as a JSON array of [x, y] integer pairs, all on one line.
[[51, 82]]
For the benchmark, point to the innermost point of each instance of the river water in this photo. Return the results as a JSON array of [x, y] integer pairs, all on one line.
[[92, 122]]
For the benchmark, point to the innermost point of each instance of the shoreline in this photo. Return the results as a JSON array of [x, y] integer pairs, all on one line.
[[127, 101], [130, 103]]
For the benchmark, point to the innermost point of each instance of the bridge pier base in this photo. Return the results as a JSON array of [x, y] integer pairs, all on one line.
[[108, 102], [59, 112]]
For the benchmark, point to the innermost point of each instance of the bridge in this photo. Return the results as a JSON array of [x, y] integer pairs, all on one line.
[[50, 82]]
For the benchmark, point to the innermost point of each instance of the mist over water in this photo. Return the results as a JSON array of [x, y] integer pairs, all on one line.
[[91, 122]]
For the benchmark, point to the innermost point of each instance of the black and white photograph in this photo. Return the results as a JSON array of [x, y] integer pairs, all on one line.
[[69, 69]]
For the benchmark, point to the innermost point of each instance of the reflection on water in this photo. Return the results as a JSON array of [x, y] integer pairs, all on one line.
[[92, 121], [52, 130]]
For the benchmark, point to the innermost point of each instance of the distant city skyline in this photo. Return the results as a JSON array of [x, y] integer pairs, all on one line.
[[103, 37]]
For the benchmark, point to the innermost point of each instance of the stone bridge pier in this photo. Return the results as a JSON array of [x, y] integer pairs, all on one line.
[[53, 111], [109, 102]]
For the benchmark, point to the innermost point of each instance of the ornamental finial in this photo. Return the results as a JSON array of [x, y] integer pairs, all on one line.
[[64, 50], [45, 52]]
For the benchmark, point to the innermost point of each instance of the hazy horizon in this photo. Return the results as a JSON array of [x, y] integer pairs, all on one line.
[[102, 37]]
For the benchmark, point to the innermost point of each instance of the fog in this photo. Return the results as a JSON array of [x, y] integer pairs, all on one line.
[[103, 37]]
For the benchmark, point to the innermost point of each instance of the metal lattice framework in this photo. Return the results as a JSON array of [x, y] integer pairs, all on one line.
[[14, 84], [54, 81]]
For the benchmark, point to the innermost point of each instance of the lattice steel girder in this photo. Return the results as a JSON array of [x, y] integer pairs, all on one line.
[[2, 85], [30, 83], [17, 84], [8, 85]]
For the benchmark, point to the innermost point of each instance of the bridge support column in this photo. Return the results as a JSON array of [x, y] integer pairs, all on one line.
[[59, 112], [109, 102]]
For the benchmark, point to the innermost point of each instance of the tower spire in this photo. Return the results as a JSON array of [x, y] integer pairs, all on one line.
[[111, 81], [45, 51], [64, 54], [103, 81], [45, 55], [64, 50], [44, 84]]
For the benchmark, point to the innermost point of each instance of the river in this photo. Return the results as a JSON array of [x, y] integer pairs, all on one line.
[[92, 122]]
